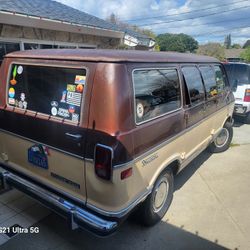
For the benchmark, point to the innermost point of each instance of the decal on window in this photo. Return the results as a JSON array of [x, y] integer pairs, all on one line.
[[55, 91]]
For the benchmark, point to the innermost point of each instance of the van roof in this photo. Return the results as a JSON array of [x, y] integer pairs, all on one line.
[[99, 55]]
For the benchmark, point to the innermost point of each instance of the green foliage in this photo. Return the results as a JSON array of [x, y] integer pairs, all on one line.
[[236, 46], [212, 49], [245, 55], [176, 42], [247, 44]]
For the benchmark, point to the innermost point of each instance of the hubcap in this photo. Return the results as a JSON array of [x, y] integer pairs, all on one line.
[[222, 138], [160, 195]]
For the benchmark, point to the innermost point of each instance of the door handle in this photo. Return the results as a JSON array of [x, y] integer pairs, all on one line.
[[75, 137]]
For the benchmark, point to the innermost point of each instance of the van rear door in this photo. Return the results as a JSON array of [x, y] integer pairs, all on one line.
[[42, 122]]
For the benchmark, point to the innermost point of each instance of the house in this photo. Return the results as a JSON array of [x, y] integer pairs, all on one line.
[[233, 55], [44, 24]]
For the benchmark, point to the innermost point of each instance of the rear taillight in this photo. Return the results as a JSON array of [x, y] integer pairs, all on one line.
[[247, 95], [103, 161]]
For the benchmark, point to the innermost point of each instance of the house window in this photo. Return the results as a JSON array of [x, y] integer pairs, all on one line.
[[6, 48]]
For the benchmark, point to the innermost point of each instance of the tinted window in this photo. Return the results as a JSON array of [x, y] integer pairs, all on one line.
[[220, 79], [6, 48], [238, 74], [208, 76], [50, 90], [194, 84], [157, 92]]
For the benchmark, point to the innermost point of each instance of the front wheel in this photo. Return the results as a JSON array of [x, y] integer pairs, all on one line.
[[222, 140], [157, 203]]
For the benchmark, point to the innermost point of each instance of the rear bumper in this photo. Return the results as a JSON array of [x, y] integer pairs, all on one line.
[[75, 215]]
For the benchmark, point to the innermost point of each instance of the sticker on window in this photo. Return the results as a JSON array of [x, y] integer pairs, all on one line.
[[79, 79], [13, 80], [74, 98], [53, 91]]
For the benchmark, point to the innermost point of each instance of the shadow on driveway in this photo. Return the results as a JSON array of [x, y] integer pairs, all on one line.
[[54, 234]]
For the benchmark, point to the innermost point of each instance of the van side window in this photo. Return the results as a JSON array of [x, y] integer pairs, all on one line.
[[194, 84], [59, 94], [219, 78], [157, 91], [209, 80]]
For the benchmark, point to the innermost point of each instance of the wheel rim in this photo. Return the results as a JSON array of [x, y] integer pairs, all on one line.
[[222, 138], [160, 195]]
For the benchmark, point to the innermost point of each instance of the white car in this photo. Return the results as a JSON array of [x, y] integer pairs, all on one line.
[[239, 78]]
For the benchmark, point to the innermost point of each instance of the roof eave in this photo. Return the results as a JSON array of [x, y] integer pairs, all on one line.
[[49, 24]]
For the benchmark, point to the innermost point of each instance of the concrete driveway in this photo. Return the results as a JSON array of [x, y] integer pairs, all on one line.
[[210, 210]]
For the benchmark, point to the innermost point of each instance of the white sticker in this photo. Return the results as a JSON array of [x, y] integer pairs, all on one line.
[[75, 117], [22, 97], [12, 101], [20, 104], [63, 113], [20, 70], [54, 111], [74, 98], [25, 104], [139, 110]]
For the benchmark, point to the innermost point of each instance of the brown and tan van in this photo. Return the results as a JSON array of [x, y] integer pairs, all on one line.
[[94, 134]]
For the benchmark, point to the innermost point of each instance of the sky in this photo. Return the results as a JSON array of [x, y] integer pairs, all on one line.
[[205, 20]]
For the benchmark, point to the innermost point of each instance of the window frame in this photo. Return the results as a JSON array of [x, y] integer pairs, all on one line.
[[212, 68], [224, 73], [191, 105], [36, 113], [175, 67]]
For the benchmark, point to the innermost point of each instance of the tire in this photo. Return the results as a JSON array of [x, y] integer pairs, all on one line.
[[221, 145], [152, 211], [247, 118]]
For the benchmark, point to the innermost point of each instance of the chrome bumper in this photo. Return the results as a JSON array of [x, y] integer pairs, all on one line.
[[77, 216]]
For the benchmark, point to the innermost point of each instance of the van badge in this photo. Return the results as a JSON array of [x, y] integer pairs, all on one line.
[[149, 159], [37, 155]]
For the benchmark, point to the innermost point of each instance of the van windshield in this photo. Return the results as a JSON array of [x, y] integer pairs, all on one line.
[[238, 74], [54, 91]]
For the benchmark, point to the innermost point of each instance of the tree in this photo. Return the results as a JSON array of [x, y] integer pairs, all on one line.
[[212, 49], [176, 42], [245, 55], [228, 41], [236, 46], [247, 44]]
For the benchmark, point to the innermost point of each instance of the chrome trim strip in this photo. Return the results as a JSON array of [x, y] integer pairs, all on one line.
[[155, 148], [124, 211], [44, 184], [34, 141], [79, 216]]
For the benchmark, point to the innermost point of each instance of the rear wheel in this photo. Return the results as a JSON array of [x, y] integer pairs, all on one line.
[[157, 203], [223, 139]]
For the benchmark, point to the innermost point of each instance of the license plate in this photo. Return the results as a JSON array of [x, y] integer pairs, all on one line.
[[38, 157]]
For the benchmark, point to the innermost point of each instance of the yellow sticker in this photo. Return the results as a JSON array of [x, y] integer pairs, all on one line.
[[71, 87]]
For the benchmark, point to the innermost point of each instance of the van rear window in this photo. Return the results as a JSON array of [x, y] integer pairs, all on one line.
[[55, 91]]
